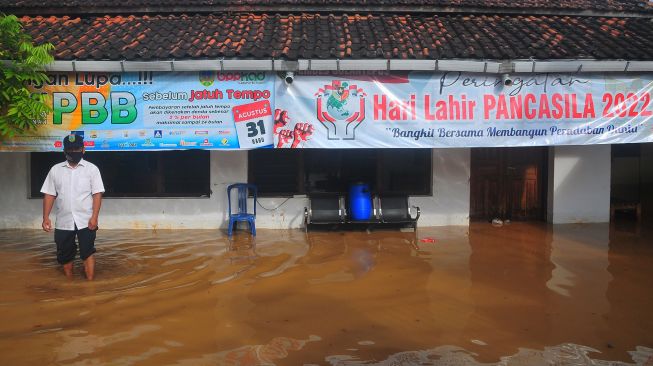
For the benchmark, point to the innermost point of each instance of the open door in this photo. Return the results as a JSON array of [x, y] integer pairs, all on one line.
[[508, 183]]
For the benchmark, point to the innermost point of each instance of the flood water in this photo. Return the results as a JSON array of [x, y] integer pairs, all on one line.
[[520, 294]]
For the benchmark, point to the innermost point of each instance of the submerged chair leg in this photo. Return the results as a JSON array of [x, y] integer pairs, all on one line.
[[230, 228], [252, 226]]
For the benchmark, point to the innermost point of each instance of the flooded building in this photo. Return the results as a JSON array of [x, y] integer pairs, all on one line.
[[525, 171], [535, 111]]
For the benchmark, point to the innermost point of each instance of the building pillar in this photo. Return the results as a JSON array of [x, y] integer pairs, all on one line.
[[450, 202], [579, 184]]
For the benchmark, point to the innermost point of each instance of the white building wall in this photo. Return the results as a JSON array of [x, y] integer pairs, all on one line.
[[16, 211], [450, 202], [579, 184], [19, 211], [579, 191], [448, 206]]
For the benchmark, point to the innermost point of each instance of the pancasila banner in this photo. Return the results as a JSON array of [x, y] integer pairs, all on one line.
[[154, 111], [453, 109]]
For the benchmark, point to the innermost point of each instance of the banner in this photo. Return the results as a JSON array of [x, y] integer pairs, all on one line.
[[454, 109], [154, 111]]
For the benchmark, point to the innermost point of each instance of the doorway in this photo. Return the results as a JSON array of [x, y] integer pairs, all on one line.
[[508, 183], [631, 185]]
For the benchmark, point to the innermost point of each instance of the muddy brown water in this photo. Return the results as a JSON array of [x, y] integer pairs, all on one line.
[[518, 294]]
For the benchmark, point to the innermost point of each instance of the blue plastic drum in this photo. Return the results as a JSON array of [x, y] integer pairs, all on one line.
[[360, 202]]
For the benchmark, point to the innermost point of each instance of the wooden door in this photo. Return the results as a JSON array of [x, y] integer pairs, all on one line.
[[508, 183]]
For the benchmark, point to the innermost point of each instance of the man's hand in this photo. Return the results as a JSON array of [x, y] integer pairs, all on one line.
[[280, 120], [46, 225], [302, 132], [92, 223], [48, 202], [284, 137]]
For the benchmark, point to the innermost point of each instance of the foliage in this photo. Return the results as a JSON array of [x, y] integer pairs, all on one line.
[[21, 63]]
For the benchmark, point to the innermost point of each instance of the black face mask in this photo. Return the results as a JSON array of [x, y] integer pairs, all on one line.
[[74, 157]]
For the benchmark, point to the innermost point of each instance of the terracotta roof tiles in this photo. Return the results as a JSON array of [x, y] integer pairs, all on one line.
[[355, 36]]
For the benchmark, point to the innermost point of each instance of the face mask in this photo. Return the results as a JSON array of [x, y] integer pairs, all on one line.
[[74, 157]]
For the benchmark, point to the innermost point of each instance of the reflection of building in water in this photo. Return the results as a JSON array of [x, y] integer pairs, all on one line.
[[579, 284], [448, 286], [630, 266], [348, 287], [510, 267]]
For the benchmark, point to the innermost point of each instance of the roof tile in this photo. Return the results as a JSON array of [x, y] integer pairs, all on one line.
[[357, 36]]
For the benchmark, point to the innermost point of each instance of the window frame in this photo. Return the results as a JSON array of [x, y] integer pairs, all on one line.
[[299, 176], [429, 191], [206, 195]]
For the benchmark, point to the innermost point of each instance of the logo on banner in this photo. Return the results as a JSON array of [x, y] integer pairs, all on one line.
[[183, 142], [158, 134], [207, 78], [341, 109]]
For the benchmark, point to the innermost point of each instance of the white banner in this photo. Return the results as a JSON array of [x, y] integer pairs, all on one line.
[[453, 109]]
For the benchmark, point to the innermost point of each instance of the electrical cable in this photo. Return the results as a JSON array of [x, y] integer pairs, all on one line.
[[273, 209]]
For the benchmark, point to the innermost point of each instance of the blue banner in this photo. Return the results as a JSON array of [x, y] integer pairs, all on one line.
[[154, 111]]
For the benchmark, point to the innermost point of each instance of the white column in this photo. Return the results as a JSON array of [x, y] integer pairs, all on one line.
[[17, 211], [449, 204], [579, 184]]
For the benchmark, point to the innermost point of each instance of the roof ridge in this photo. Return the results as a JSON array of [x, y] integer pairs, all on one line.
[[613, 8], [439, 11]]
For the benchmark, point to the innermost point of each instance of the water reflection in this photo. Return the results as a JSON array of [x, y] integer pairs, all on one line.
[[510, 267], [516, 294], [629, 291]]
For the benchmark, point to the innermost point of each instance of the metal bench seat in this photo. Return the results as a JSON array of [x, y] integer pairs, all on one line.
[[331, 209]]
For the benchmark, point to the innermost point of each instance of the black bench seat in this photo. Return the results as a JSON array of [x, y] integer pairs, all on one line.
[[331, 209]]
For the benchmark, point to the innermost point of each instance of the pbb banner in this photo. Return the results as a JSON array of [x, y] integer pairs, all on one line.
[[454, 109], [154, 111]]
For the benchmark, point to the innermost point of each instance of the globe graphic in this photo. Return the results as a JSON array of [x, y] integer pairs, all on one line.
[[339, 113]]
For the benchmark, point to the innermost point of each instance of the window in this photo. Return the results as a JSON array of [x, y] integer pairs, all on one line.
[[406, 171], [332, 171], [138, 173], [285, 172], [275, 171]]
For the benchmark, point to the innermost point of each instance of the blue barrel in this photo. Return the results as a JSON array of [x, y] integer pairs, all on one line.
[[360, 202]]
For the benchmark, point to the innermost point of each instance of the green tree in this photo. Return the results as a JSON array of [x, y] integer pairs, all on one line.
[[21, 62]]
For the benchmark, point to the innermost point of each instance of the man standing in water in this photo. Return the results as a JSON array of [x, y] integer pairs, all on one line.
[[75, 188]]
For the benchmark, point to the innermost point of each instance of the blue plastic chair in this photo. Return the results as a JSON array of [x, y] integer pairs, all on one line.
[[242, 214]]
